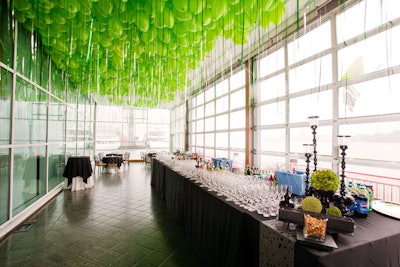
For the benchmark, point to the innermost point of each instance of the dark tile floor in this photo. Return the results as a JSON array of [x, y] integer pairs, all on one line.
[[119, 222]]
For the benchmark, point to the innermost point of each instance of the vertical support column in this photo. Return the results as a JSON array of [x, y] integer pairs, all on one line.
[[335, 97], [249, 119], [12, 117], [186, 141]]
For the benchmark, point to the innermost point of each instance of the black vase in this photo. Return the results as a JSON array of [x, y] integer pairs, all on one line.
[[325, 197]]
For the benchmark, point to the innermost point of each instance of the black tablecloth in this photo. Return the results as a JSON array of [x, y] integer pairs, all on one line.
[[376, 242], [113, 159], [226, 234], [230, 236], [114, 155], [78, 166]]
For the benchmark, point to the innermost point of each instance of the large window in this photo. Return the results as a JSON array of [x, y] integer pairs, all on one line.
[[135, 130], [178, 125], [344, 68], [221, 132], [34, 111], [360, 101]]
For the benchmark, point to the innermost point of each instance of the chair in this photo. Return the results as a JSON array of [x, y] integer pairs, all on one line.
[[98, 163], [125, 157]]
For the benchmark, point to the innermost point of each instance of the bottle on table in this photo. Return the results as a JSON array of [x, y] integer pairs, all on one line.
[[362, 202], [370, 190]]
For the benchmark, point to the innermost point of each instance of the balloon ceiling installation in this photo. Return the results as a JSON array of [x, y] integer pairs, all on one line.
[[139, 50]]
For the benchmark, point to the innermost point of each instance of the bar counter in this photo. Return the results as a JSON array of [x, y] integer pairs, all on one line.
[[229, 235]]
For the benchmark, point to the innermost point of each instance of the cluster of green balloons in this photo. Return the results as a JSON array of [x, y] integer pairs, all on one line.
[[139, 48]]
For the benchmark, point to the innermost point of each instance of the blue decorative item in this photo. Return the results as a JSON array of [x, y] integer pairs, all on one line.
[[297, 181]]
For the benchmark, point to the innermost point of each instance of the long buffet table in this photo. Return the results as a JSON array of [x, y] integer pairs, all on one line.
[[228, 235]]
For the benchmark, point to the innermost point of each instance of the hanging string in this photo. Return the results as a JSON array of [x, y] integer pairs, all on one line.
[[90, 41], [387, 23]]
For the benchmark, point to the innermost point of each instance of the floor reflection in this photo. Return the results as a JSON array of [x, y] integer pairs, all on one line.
[[119, 222]]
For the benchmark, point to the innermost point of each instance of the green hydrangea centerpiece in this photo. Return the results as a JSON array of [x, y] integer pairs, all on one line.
[[325, 180]]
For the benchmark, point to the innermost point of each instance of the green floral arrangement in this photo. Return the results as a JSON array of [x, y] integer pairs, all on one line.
[[325, 180], [334, 211], [312, 204]]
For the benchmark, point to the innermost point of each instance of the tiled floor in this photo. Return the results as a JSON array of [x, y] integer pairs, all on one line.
[[119, 222]]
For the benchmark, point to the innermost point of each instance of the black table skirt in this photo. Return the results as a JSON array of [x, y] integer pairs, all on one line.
[[113, 159], [78, 166], [226, 234]]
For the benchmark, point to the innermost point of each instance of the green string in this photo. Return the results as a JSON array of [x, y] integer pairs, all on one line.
[[90, 41]]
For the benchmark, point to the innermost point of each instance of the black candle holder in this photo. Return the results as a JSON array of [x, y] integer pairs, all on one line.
[[343, 147], [314, 121], [308, 190], [314, 133], [343, 167]]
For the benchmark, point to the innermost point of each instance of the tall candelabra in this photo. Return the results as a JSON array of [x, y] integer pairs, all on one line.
[[314, 122], [307, 154], [343, 145]]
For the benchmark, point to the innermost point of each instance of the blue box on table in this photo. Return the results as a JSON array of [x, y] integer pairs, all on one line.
[[296, 180], [222, 162]]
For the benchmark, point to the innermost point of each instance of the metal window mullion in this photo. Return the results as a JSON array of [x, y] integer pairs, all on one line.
[[47, 131], [287, 100], [229, 114], [215, 119], [11, 155], [335, 96]]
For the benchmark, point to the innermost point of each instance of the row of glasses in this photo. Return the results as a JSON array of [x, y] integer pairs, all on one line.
[[246, 191]]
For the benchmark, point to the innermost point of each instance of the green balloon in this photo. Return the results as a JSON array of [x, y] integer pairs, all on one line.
[[128, 16], [206, 17], [183, 42], [218, 9], [180, 5], [182, 16], [134, 36], [157, 6], [106, 41], [164, 35], [142, 21], [266, 5], [197, 6], [22, 5], [179, 29], [233, 2], [149, 36], [115, 27], [105, 7], [162, 49], [158, 20], [228, 21], [168, 18], [71, 6], [249, 5]]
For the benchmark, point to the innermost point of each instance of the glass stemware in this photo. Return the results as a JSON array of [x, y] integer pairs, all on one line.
[[249, 192]]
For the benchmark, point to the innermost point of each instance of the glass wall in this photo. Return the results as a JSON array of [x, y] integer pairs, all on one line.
[[178, 126], [348, 82], [34, 109], [133, 130], [217, 120], [344, 68]]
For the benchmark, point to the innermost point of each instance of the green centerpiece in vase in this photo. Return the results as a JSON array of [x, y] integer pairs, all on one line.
[[324, 183]]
